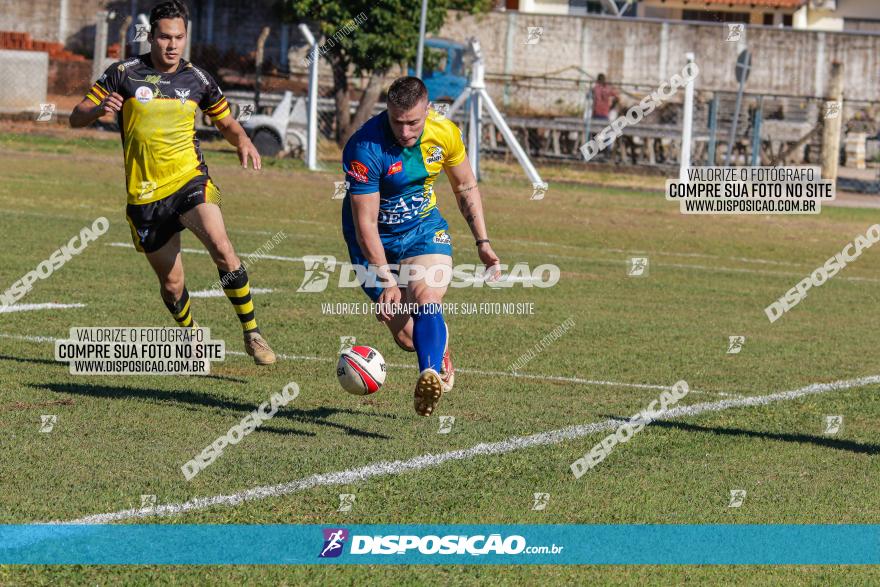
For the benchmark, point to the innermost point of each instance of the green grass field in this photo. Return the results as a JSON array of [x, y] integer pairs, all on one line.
[[120, 437]]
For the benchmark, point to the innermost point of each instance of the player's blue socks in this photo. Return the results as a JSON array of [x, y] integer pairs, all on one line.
[[429, 336]]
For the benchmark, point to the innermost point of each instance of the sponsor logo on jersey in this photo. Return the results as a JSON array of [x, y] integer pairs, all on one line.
[[130, 62], [143, 94], [435, 154], [441, 237], [358, 171], [396, 167], [199, 73]]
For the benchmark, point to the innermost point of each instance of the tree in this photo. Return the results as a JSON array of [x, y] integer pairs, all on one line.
[[368, 37]]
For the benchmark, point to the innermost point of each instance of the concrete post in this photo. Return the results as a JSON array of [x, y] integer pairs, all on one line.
[[831, 126], [100, 55]]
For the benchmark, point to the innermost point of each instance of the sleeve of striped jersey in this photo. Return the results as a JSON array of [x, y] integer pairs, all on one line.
[[456, 151], [213, 102], [104, 86]]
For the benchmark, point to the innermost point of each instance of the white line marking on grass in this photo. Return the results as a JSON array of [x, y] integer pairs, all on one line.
[[508, 445], [688, 266], [204, 252], [216, 293], [717, 269], [663, 253], [33, 307], [29, 338]]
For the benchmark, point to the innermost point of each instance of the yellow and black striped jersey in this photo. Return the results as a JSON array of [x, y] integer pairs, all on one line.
[[157, 123]]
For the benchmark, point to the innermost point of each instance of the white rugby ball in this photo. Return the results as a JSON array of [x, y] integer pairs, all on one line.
[[361, 370]]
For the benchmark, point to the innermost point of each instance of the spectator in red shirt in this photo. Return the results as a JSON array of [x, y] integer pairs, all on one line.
[[604, 97]]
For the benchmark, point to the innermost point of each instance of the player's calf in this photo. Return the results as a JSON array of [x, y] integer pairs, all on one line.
[[180, 310], [237, 288]]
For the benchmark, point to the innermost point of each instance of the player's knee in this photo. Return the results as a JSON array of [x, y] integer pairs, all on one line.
[[224, 255], [428, 295], [171, 288]]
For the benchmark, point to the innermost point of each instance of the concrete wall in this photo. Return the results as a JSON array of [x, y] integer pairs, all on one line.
[[24, 79], [648, 52], [71, 22]]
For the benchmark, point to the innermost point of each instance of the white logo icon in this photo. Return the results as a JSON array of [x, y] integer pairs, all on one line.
[[346, 502], [540, 501], [441, 109], [140, 32], [735, 31], [832, 110], [245, 112], [446, 424], [46, 112], [735, 344], [535, 34], [637, 267], [318, 270], [737, 496], [182, 94], [339, 189], [538, 190], [833, 424], [346, 342], [143, 94], [146, 189], [47, 422], [148, 502]]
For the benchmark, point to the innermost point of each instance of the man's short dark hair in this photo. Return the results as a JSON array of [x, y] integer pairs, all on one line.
[[406, 92], [170, 9]]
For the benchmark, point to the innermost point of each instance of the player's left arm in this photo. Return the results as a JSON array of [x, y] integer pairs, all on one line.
[[470, 203], [237, 137], [213, 103]]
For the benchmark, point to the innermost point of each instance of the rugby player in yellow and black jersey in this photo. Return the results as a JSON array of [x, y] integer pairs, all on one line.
[[154, 97]]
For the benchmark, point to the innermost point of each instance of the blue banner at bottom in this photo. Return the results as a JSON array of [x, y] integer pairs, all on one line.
[[723, 544]]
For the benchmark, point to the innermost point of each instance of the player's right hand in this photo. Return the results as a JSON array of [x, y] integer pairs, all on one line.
[[111, 104], [389, 298], [490, 260]]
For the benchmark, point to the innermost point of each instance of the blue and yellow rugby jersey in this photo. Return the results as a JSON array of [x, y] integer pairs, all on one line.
[[157, 123], [373, 161]]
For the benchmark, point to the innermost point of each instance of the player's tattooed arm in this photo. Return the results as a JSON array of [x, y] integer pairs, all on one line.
[[467, 195], [470, 203]]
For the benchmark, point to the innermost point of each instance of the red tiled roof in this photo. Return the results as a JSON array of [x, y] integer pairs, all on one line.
[[763, 3]]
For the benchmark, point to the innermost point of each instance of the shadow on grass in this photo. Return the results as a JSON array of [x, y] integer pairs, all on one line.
[[51, 362], [317, 416], [823, 441]]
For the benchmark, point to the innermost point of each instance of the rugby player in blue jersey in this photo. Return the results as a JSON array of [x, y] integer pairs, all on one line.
[[390, 216]]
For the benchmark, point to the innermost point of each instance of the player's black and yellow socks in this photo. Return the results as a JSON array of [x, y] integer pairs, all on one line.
[[180, 310], [236, 287]]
